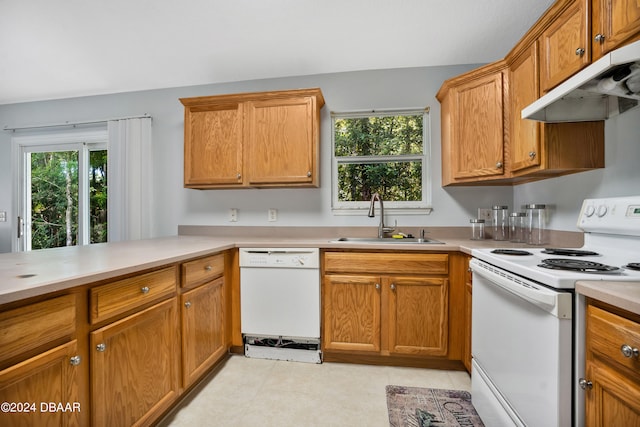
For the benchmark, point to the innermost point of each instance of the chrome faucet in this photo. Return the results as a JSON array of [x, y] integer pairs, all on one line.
[[381, 228]]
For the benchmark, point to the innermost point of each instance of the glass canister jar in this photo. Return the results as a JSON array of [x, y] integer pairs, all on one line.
[[536, 224], [500, 223], [517, 227], [477, 229]]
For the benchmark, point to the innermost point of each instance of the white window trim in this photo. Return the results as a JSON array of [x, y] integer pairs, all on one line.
[[400, 208], [50, 141]]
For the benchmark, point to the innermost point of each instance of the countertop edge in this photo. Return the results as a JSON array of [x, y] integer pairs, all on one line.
[[625, 295]]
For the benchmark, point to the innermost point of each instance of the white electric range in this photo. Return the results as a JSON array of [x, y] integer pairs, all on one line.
[[528, 326]]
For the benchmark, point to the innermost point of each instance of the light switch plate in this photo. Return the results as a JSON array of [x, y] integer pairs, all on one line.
[[233, 215], [273, 215], [3, 216], [486, 214]]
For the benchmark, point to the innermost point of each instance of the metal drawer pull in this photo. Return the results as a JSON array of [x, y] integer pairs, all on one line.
[[585, 384], [144, 289], [628, 351], [187, 304], [208, 268], [101, 347], [75, 360], [580, 51]]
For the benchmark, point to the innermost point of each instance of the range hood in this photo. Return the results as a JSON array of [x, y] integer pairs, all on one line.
[[607, 87]]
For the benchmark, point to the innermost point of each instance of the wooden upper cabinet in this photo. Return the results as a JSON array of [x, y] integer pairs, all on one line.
[[565, 45], [524, 138], [473, 125], [614, 23], [546, 149], [213, 155], [281, 145], [263, 139]]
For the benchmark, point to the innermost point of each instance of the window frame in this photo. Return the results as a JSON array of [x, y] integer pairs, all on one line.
[[423, 206]]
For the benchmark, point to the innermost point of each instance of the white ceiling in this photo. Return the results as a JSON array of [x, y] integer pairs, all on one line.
[[53, 49]]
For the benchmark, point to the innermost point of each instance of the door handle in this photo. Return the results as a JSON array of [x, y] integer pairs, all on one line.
[[20, 227]]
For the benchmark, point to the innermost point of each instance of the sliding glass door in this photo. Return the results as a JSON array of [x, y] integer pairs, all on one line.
[[63, 194]]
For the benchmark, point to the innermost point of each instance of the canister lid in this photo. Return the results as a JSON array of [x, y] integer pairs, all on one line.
[[498, 207], [535, 206], [518, 214], [476, 221]]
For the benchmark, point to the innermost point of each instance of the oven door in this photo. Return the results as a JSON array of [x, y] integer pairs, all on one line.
[[522, 350]]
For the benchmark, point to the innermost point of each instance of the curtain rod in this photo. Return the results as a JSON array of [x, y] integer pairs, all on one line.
[[74, 124]]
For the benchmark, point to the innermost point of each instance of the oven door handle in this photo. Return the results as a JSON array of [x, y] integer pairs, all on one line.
[[556, 303]]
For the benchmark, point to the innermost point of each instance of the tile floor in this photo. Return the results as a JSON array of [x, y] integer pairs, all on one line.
[[259, 392]]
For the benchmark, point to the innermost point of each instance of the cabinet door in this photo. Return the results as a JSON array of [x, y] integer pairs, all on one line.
[[418, 315], [614, 22], [614, 399], [281, 138], [565, 47], [478, 144], [48, 377], [524, 139], [203, 329], [468, 302], [213, 145], [134, 367], [351, 313]]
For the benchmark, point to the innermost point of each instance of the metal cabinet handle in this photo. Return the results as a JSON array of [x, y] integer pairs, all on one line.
[[75, 360], [309, 174], [208, 268], [628, 351], [585, 384], [599, 38], [377, 285], [144, 289], [238, 176], [393, 286], [580, 51], [187, 304], [499, 165], [532, 155], [101, 347]]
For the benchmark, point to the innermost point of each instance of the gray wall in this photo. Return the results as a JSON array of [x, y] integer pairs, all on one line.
[[380, 89]]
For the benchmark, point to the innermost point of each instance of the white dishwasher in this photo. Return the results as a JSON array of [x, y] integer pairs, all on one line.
[[280, 303]]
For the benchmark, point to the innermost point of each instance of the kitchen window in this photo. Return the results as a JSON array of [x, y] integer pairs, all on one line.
[[385, 152]]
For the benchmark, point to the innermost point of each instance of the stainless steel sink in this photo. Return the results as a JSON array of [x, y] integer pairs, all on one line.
[[379, 240]]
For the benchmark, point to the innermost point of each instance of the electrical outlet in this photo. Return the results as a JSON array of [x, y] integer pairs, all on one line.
[[233, 215], [3, 216], [273, 215], [486, 214]]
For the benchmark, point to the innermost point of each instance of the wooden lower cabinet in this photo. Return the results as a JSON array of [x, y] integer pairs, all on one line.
[[468, 295], [32, 386], [203, 329], [612, 377], [386, 315], [417, 315], [135, 367]]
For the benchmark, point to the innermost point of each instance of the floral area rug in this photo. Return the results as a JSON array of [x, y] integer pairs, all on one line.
[[424, 407]]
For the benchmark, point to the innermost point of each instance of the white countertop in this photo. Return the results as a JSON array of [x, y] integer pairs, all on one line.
[[625, 295], [29, 274]]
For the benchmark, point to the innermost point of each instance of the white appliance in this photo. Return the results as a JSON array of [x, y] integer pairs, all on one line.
[[280, 303], [528, 326], [609, 86]]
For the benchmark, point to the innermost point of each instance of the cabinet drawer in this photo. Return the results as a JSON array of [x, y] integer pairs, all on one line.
[[35, 325], [404, 263], [118, 297], [202, 270], [607, 333]]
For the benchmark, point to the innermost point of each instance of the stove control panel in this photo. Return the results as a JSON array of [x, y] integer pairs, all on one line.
[[616, 215]]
